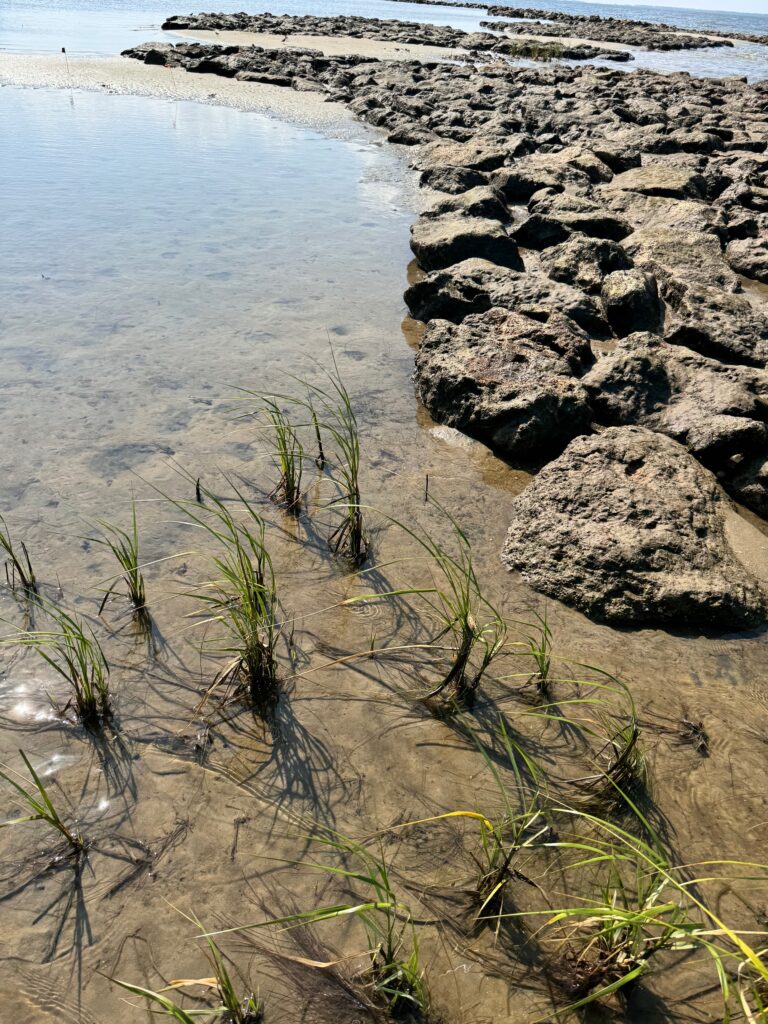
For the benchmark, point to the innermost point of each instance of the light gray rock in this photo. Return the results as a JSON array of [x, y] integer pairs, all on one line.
[[627, 527], [442, 241], [631, 302]]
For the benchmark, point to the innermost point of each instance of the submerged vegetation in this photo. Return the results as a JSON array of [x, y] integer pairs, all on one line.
[[39, 803], [565, 866], [18, 567]]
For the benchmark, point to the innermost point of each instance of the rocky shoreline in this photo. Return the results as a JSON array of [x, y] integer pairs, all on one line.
[[405, 32], [582, 293], [649, 34]]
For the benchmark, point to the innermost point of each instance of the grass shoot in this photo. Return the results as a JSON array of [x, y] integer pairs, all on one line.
[[38, 803], [70, 648], [124, 545], [288, 456], [18, 567]]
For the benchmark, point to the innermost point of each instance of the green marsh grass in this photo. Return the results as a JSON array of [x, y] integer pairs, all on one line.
[[288, 456], [640, 905], [39, 804], [124, 545], [18, 567], [70, 648], [395, 976], [471, 631], [233, 1008], [242, 598]]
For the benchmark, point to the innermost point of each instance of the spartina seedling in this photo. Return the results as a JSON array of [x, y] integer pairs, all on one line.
[[334, 417], [288, 457], [18, 567], [124, 545], [70, 648], [645, 905], [233, 1008], [38, 803], [394, 976], [242, 598], [471, 632], [539, 642]]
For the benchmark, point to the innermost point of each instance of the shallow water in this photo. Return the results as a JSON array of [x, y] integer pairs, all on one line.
[[155, 257]]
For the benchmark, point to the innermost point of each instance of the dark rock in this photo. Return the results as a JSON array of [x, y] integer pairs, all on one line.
[[627, 527], [719, 412], [475, 286], [507, 379], [452, 179], [441, 241], [584, 261], [717, 324], [475, 202], [631, 302]]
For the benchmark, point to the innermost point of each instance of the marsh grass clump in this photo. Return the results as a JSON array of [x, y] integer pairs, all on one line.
[[471, 632], [124, 545], [19, 573], [288, 456], [394, 979], [74, 653], [242, 598], [39, 804], [233, 1008], [643, 905], [333, 414]]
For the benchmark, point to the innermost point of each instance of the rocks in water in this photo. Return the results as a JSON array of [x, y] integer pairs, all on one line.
[[631, 302], [749, 256], [441, 241], [719, 412], [583, 261], [475, 286], [627, 527], [507, 379]]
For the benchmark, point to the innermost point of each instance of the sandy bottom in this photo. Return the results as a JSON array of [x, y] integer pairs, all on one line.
[[118, 75]]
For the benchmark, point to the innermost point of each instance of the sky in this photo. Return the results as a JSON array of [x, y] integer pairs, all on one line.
[[741, 6]]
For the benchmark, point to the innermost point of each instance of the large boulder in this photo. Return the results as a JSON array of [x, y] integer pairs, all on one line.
[[719, 412], [627, 527], [555, 216], [508, 380], [452, 180], [631, 302], [441, 241], [667, 180], [583, 261], [749, 256], [716, 324], [481, 201], [475, 286], [669, 252]]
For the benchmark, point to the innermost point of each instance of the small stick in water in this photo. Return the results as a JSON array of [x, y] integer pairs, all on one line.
[[69, 74], [426, 487], [198, 492]]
